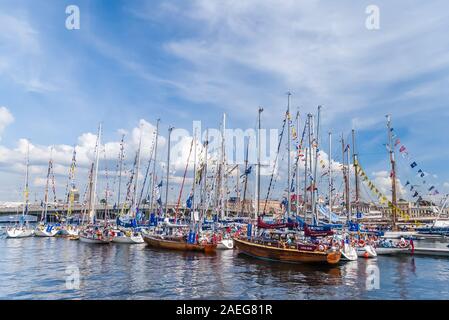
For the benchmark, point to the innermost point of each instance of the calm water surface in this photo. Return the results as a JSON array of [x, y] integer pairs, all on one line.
[[35, 268]]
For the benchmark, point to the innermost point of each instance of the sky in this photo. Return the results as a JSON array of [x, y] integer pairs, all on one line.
[[133, 62]]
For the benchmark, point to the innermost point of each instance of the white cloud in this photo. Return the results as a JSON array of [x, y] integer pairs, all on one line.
[[6, 118]]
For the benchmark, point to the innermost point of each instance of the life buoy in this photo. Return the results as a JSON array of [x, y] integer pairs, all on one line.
[[321, 247], [362, 243], [402, 244]]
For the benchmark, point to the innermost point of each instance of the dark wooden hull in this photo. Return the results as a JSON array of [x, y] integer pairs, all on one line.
[[179, 245], [289, 255]]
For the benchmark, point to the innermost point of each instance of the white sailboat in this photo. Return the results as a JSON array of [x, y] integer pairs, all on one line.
[[44, 229], [67, 229], [23, 230], [129, 235], [92, 233]]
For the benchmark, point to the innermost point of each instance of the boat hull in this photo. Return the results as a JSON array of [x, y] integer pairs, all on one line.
[[366, 252], [391, 251], [348, 253], [19, 233], [68, 232], [44, 233], [158, 242], [94, 241], [286, 255], [128, 240]]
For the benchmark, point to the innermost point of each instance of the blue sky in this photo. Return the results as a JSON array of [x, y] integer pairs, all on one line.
[[193, 60]]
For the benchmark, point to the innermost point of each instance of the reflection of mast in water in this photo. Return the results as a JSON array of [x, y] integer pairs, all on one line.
[[304, 280]]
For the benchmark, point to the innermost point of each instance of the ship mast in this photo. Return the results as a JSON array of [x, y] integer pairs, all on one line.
[[346, 179], [194, 172], [121, 158], [330, 172], [95, 177], [223, 168], [297, 165], [27, 176], [258, 160], [289, 174], [170, 129], [393, 173], [153, 182], [356, 174], [135, 200], [314, 196]]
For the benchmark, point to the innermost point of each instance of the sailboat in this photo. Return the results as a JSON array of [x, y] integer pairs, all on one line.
[[67, 229], [281, 241], [94, 233], [23, 230], [175, 236], [126, 232], [44, 229]]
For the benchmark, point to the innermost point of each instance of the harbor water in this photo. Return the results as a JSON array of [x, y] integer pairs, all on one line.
[[55, 268]]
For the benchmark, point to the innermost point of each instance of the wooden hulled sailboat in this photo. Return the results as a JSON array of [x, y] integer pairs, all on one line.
[[174, 236], [291, 251]]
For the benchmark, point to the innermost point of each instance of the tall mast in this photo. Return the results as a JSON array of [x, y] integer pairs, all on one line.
[[45, 209], [393, 172], [297, 166], [153, 180], [26, 191], [205, 195], [348, 160], [346, 178], [121, 158], [314, 211], [194, 171], [95, 177], [356, 173], [312, 184], [223, 167], [245, 174], [136, 183], [289, 174], [330, 172], [259, 140], [304, 200], [170, 129]]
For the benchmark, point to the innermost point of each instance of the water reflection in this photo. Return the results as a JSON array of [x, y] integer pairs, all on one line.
[[34, 268]]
